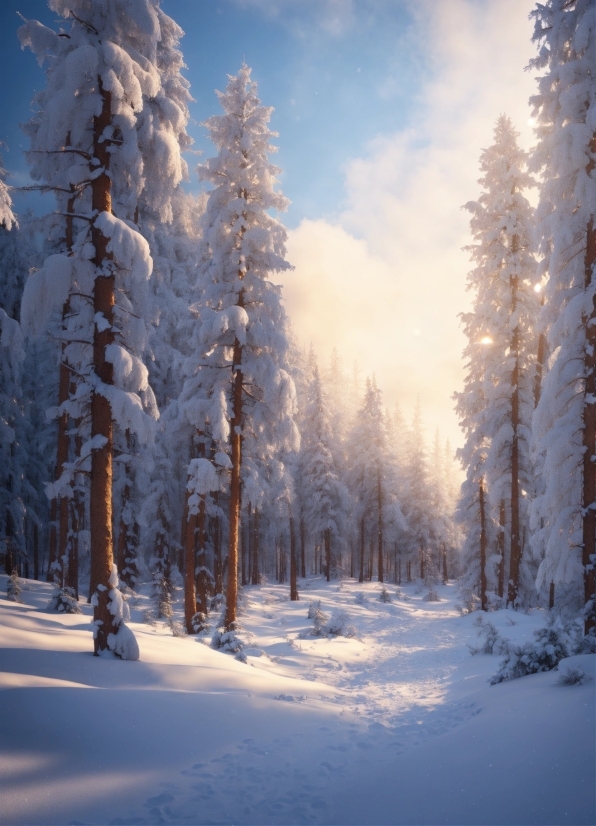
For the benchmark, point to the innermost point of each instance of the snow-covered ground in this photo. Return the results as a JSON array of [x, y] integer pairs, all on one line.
[[395, 725]]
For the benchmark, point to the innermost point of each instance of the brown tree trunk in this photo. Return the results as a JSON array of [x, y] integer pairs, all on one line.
[[236, 439], [516, 548], [35, 551], [551, 596], [255, 548], [421, 562], [380, 527], [53, 539], [589, 435], [327, 539], [203, 581], [445, 575], [361, 576], [483, 599], [189, 571], [302, 548], [501, 575], [293, 563], [101, 414]]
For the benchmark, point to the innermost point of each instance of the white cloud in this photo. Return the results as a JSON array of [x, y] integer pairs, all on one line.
[[387, 282]]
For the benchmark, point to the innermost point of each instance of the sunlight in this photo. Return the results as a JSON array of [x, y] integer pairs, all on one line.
[[486, 340]]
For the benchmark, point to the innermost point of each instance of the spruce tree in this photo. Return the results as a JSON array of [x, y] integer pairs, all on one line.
[[565, 421]]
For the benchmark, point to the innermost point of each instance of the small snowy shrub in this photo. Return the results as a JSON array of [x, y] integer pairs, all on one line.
[[177, 629], [232, 641], [470, 603], [431, 595], [585, 644], [217, 602], [533, 657], [149, 617], [339, 625], [572, 675], [200, 623], [493, 642], [64, 601], [124, 644], [385, 596], [319, 619], [361, 598], [14, 587]]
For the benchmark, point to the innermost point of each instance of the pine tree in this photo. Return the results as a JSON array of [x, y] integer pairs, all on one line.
[[238, 387], [565, 421], [102, 143], [497, 402], [324, 496]]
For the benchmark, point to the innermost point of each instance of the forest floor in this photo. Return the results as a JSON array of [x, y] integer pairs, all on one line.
[[395, 725]]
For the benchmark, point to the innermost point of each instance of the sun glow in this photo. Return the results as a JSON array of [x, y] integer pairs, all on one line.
[[486, 340]]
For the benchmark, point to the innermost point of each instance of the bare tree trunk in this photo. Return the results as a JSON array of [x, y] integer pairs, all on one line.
[[361, 576], [501, 575], [35, 551], [483, 599], [551, 596], [53, 539], [516, 548], [293, 563], [302, 548], [204, 583], [217, 561], [380, 527], [236, 439], [255, 548], [190, 596], [421, 562], [101, 414], [445, 575], [327, 537], [589, 437]]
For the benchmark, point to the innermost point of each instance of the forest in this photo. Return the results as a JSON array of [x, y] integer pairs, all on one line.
[[175, 460]]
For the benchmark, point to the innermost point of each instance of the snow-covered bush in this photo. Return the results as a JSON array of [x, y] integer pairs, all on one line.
[[64, 601], [493, 643], [124, 644], [385, 596], [232, 641], [14, 587], [572, 675], [360, 598], [177, 629], [550, 648], [200, 622], [431, 595], [339, 625], [217, 602], [319, 619]]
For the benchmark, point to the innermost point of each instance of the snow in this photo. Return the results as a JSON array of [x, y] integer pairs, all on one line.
[[395, 725]]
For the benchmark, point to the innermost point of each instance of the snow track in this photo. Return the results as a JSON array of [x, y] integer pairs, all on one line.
[[395, 725]]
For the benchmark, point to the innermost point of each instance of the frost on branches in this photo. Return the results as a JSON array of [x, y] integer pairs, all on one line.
[[565, 421], [496, 405]]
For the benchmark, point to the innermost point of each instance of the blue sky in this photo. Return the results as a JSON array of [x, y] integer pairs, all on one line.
[[338, 74], [382, 109]]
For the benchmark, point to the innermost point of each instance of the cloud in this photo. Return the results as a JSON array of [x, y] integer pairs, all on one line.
[[386, 282]]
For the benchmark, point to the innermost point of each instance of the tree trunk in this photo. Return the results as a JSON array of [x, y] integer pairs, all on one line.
[[203, 580], [293, 563], [501, 579], [445, 575], [255, 548], [302, 548], [421, 562], [236, 439], [516, 549], [589, 437], [53, 539], [35, 551], [189, 570], [483, 599], [380, 527], [327, 537], [551, 596], [361, 576], [101, 414]]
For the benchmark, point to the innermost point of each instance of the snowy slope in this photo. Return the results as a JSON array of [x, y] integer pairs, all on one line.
[[397, 725]]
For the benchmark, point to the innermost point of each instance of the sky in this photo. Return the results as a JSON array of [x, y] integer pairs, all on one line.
[[382, 109]]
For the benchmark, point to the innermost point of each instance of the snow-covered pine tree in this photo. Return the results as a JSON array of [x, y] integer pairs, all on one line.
[[324, 495], [237, 379], [421, 540], [565, 421], [497, 402], [97, 144]]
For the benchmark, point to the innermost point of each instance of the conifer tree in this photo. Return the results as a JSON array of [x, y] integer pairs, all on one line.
[[238, 385], [565, 421], [101, 142], [497, 402]]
